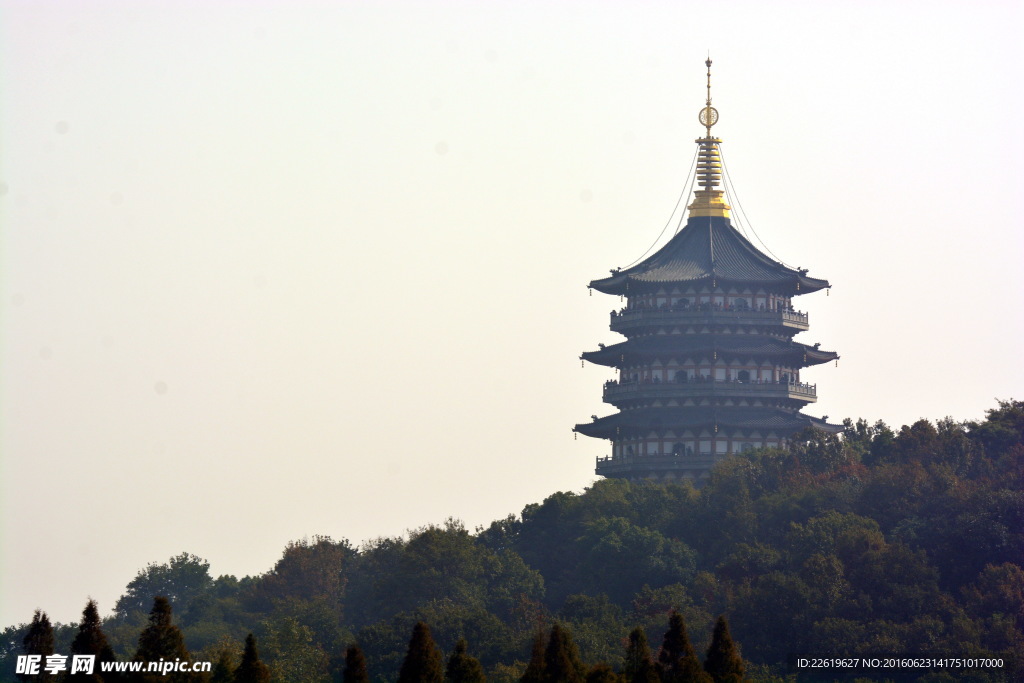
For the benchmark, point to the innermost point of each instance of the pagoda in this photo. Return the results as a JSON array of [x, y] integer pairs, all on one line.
[[709, 366]]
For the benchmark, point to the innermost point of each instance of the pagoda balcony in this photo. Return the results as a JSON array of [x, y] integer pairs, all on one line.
[[619, 392], [639, 465], [627, 320]]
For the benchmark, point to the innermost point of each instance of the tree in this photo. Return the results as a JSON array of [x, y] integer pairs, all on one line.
[[39, 641], [638, 666], [292, 655], [677, 660], [90, 640], [355, 666], [535, 669], [224, 669], [723, 660], [423, 663], [251, 669], [463, 668], [181, 580], [561, 659], [161, 640]]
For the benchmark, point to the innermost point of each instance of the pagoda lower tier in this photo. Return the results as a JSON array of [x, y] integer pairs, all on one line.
[[684, 442]]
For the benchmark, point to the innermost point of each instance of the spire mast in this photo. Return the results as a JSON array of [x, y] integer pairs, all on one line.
[[707, 105]]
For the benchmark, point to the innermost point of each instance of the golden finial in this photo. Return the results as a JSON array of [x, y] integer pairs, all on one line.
[[708, 201]]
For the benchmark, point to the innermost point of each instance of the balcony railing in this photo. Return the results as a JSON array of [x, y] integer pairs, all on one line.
[[615, 391], [638, 464], [710, 313]]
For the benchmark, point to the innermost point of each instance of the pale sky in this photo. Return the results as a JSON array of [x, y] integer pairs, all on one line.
[[278, 269]]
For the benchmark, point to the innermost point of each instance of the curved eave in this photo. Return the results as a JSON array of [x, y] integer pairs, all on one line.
[[625, 285], [709, 251], [644, 420], [673, 346]]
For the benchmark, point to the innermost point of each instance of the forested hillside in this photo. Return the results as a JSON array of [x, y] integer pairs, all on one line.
[[878, 542]]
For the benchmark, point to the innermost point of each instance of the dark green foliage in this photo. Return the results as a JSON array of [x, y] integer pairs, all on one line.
[[462, 668], [677, 660], [292, 652], [90, 640], [887, 540], [184, 578], [39, 641], [162, 640], [596, 625], [638, 667], [308, 585], [723, 660], [251, 669], [423, 662], [355, 666], [562, 662]]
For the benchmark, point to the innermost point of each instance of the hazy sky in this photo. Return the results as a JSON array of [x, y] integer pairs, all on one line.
[[275, 269]]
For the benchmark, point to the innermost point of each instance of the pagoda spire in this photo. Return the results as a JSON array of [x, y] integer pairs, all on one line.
[[709, 201]]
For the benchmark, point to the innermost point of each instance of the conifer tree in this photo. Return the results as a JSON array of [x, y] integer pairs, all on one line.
[[677, 660], [423, 663], [90, 640], [162, 640], [355, 666], [224, 669], [638, 666], [723, 660], [39, 641], [535, 669], [562, 662], [463, 668], [251, 669]]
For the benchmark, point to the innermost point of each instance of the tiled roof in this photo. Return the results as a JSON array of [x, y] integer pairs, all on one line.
[[709, 249], [728, 346], [640, 421]]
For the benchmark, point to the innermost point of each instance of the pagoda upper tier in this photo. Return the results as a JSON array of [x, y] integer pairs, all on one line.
[[708, 251]]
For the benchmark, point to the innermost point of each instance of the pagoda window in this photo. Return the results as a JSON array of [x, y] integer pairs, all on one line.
[[743, 376], [721, 446], [705, 447], [719, 374]]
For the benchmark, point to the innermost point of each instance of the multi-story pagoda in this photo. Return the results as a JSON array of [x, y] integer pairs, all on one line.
[[709, 366]]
